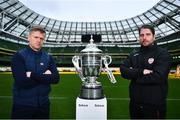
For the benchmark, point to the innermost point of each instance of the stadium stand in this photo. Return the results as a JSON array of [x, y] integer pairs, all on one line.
[[64, 38]]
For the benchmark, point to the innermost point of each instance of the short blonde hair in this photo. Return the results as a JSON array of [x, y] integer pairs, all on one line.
[[37, 28]]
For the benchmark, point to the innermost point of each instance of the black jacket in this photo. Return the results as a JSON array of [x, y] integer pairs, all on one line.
[[152, 88]]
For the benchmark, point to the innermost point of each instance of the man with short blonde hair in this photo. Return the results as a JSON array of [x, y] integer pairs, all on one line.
[[33, 72]]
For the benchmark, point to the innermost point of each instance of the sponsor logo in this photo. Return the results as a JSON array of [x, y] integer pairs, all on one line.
[[150, 60], [136, 54], [82, 105], [98, 105]]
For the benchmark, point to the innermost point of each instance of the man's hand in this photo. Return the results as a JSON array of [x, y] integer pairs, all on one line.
[[146, 72], [28, 74], [47, 72]]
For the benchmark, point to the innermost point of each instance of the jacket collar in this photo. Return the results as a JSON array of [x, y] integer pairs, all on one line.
[[151, 47], [35, 52]]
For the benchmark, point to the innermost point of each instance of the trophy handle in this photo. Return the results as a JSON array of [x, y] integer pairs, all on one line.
[[75, 61], [106, 63]]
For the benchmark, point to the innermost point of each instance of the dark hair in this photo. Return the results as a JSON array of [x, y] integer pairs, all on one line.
[[37, 28], [150, 27]]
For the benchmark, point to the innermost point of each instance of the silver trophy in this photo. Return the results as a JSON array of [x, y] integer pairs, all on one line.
[[89, 65]]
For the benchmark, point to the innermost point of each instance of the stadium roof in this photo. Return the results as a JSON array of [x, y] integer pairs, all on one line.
[[89, 10], [16, 19]]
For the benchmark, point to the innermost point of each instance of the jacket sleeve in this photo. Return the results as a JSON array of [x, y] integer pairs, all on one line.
[[128, 72], [52, 78], [19, 72], [160, 70]]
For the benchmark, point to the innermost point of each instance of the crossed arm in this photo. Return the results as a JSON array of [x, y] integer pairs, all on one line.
[[27, 79]]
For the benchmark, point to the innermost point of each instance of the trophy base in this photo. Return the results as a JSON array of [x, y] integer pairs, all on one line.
[[91, 92]]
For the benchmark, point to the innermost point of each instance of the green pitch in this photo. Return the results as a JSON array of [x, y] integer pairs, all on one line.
[[63, 97]]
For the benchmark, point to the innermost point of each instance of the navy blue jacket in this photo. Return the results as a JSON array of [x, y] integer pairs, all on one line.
[[151, 88], [33, 90]]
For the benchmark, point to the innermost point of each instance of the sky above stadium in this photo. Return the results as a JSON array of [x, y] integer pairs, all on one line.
[[90, 10]]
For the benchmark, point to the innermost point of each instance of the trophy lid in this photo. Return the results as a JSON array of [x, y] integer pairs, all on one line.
[[91, 47]]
